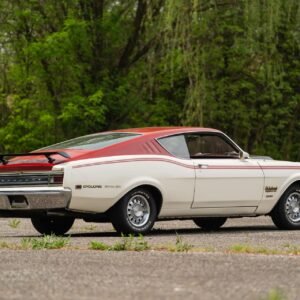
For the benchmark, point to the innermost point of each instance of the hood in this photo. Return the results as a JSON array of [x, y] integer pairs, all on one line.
[[278, 164]]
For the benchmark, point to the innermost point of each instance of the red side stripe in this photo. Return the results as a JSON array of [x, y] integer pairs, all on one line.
[[220, 167], [137, 160]]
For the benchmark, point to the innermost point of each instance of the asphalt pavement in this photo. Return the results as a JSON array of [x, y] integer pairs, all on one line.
[[79, 273]]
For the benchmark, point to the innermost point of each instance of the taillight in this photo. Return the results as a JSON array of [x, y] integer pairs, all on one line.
[[56, 179]]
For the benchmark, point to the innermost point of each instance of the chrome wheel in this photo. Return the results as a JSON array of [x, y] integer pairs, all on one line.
[[292, 207], [135, 213], [138, 210]]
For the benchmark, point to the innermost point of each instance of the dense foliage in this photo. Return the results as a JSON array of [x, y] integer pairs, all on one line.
[[70, 67]]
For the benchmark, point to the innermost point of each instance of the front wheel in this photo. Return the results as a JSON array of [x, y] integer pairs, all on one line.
[[210, 223], [52, 225], [286, 214], [135, 213]]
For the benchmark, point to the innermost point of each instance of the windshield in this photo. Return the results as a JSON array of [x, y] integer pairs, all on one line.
[[93, 141]]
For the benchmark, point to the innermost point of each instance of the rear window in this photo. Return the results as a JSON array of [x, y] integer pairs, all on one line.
[[93, 141]]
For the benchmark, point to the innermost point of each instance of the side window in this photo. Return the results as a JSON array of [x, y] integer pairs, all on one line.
[[210, 146], [176, 145]]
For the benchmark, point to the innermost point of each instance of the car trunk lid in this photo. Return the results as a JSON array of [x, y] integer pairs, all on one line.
[[37, 160]]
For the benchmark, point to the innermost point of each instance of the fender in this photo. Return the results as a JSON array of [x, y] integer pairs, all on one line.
[[291, 180], [267, 205]]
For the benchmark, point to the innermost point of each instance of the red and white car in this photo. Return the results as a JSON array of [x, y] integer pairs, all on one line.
[[134, 177]]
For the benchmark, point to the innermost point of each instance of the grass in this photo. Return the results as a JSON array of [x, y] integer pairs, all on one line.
[[275, 294], [5, 245], [94, 245], [132, 243], [14, 223], [45, 242], [138, 243], [245, 248], [127, 243], [292, 249], [180, 245]]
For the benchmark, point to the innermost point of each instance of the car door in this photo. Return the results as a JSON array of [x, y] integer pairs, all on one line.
[[223, 179]]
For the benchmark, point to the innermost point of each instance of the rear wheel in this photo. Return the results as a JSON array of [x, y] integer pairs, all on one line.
[[52, 225], [135, 213], [210, 223], [286, 214]]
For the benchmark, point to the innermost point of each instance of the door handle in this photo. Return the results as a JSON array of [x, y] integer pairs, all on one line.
[[203, 166]]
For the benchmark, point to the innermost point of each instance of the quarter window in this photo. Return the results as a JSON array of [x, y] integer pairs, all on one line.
[[176, 145]]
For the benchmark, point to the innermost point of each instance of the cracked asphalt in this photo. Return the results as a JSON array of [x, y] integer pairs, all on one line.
[[87, 274]]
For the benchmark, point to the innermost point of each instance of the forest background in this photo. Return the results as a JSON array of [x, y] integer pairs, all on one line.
[[73, 67]]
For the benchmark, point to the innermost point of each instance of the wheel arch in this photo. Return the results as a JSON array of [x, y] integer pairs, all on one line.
[[267, 205], [296, 181], [158, 198], [154, 190]]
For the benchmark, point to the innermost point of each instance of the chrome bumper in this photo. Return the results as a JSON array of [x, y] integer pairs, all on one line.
[[34, 198]]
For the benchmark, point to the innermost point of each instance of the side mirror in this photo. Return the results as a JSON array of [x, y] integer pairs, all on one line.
[[244, 155]]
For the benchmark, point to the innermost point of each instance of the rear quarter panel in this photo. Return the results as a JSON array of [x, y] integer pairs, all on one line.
[[104, 181]]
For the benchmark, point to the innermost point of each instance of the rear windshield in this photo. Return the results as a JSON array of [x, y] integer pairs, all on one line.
[[94, 141]]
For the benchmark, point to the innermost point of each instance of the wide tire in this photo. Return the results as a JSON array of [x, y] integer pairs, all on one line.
[[52, 225], [210, 224], [286, 213], [135, 213]]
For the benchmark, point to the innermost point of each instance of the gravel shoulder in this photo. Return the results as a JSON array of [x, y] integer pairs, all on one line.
[[258, 232]]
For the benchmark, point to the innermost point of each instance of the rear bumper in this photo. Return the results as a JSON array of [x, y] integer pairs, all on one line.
[[34, 198]]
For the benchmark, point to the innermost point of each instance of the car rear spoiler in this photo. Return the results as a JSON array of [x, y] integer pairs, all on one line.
[[47, 154]]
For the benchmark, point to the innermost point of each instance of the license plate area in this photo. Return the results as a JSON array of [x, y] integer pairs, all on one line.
[[18, 201]]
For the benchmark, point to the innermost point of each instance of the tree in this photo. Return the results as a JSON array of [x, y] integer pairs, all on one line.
[[82, 66]]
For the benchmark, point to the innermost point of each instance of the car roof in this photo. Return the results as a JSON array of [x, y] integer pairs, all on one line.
[[166, 130]]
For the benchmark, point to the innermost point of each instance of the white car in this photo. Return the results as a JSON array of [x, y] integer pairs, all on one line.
[[134, 177]]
